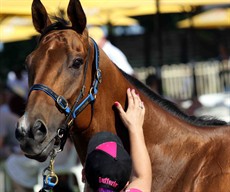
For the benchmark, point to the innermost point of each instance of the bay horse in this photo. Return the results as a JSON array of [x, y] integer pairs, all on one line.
[[73, 86]]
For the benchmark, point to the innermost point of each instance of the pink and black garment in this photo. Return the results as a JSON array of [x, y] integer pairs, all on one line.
[[108, 165]]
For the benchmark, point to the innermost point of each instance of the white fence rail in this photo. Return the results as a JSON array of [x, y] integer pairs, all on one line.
[[182, 81]]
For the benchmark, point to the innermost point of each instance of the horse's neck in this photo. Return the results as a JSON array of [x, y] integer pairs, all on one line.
[[174, 145], [162, 126], [159, 119], [100, 115]]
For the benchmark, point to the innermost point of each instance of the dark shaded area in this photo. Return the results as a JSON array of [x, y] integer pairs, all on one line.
[[178, 45], [17, 105], [13, 56]]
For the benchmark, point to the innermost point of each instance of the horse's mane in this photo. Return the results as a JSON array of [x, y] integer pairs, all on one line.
[[171, 107]]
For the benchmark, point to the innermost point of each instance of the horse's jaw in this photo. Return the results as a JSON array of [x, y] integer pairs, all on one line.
[[44, 154]]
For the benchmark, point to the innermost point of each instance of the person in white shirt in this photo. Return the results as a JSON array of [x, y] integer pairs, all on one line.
[[115, 54]]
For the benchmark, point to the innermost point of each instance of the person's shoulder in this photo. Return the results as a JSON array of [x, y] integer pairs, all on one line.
[[109, 46]]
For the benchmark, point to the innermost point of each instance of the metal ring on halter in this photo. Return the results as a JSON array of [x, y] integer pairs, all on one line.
[[51, 179], [61, 133]]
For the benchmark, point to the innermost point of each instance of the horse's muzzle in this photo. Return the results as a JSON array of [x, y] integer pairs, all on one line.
[[37, 132]]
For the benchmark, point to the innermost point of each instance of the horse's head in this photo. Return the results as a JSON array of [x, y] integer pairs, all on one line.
[[56, 68]]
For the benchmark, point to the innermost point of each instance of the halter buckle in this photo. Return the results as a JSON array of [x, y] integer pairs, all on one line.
[[99, 76], [62, 103]]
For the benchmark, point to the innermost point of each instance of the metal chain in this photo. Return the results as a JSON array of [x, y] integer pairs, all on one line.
[[50, 179]]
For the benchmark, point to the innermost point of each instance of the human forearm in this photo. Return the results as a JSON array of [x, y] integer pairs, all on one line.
[[141, 162], [133, 119]]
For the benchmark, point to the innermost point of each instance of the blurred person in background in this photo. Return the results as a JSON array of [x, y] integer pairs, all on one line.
[[115, 54], [22, 171], [188, 106], [223, 53], [11, 108], [154, 83], [9, 114]]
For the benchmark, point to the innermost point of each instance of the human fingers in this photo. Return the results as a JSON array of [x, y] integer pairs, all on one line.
[[123, 115], [137, 100], [130, 97], [133, 97], [142, 106], [136, 97]]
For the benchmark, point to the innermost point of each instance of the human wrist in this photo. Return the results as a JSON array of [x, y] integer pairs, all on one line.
[[135, 131]]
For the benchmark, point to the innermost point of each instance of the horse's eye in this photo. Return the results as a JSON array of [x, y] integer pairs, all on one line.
[[77, 63]]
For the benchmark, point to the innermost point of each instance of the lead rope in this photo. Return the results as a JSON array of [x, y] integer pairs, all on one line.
[[50, 179]]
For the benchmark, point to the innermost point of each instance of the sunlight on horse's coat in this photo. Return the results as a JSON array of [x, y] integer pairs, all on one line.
[[187, 153]]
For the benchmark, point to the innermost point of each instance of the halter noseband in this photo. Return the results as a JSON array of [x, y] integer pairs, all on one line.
[[62, 103]]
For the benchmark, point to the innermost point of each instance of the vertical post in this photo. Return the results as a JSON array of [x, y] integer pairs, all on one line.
[[159, 42], [110, 36], [192, 43], [159, 34], [147, 47]]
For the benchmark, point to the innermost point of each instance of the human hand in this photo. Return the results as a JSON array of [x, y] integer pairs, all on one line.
[[133, 118]]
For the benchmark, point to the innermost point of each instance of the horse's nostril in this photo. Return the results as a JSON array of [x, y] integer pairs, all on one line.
[[20, 133], [39, 131]]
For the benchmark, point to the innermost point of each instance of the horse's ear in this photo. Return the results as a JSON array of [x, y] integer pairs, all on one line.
[[39, 15], [76, 16]]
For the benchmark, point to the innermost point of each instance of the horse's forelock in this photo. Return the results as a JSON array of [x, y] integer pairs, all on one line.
[[59, 24]]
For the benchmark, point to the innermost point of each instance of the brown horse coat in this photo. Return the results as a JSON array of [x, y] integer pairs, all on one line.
[[187, 153]]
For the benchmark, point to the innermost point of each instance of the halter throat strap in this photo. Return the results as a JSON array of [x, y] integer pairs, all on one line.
[[62, 103]]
